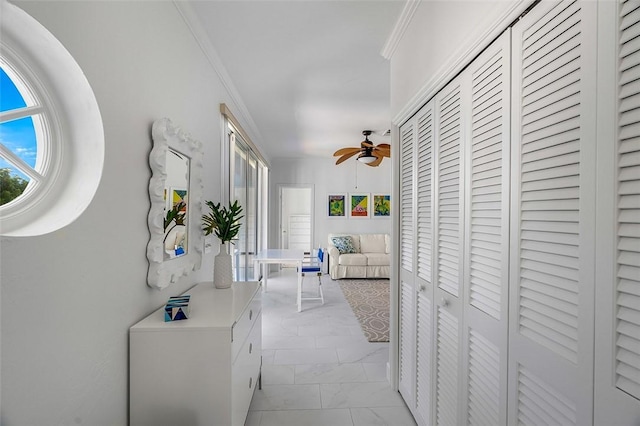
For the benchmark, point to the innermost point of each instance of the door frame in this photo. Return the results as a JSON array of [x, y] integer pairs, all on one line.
[[281, 188]]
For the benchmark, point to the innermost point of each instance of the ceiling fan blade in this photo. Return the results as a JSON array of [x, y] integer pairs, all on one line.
[[366, 144], [384, 152], [347, 156], [344, 151], [375, 162], [383, 146]]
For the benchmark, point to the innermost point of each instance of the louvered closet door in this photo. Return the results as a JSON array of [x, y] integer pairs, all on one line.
[[552, 233], [486, 286], [448, 253], [424, 265], [617, 399], [627, 265], [407, 338], [416, 320]]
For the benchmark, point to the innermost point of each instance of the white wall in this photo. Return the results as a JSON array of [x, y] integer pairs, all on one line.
[[327, 178], [68, 298], [442, 37]]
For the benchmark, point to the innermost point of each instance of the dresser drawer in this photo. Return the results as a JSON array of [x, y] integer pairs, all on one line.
[[245, 373], [245, 323]]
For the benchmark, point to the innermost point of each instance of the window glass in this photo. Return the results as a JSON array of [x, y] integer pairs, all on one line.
[[19, 136], [11, 97], [249, 188], [19, 150]]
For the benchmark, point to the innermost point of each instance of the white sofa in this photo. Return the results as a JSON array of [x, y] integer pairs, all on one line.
[[372, 258]]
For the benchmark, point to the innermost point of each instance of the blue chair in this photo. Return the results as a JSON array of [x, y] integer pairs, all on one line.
[[314, 266]]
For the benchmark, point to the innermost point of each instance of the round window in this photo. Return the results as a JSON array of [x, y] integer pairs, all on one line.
[[51, 134]]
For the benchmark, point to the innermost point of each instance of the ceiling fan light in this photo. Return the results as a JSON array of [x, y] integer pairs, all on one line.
[[366, 158]]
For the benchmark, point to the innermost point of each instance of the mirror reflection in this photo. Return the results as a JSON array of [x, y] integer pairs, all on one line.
[[176, 194]]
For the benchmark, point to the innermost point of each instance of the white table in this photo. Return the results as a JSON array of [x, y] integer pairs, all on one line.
[[280, 256]]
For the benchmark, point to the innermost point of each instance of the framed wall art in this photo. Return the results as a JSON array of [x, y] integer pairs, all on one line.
[[178, 195], [359, 206], [381, 205], [337, 205]]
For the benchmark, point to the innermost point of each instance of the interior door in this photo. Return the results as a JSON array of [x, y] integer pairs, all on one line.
[[424, 290], [296, 219], [617, 393], [407, 341], [416, 298], [448, 253], [552, 218], [486, 302]]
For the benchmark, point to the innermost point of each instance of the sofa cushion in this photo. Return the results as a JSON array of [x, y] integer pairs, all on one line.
[[352, 259], [344, 244], [355, 238], [373, 243], [378, 259]]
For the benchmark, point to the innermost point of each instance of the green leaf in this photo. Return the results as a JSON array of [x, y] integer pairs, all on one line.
[[225, 222]]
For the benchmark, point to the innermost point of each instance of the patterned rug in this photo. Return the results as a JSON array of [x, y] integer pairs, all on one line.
[[369, 300]]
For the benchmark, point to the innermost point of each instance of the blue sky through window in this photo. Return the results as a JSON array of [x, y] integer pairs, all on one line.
[[19, 135]]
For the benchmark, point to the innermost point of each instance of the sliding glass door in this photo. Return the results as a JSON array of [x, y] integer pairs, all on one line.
[[248, 185]]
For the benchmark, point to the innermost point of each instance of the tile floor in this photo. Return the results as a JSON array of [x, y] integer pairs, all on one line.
[[318, 368]]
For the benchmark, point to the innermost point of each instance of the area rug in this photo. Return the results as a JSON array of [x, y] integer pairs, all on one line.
[[369, 301]]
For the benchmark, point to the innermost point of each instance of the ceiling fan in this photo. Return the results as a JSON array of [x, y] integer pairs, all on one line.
[[370, 154]]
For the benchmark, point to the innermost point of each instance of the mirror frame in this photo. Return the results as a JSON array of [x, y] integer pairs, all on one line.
[[163, 272]]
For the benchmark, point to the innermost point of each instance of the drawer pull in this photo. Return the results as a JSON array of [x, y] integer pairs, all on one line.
[[250, 347], [250, 382], [250, 314]]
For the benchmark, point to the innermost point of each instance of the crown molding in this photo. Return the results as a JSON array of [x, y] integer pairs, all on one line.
[[460, 59], [202, 38], [402, 23]]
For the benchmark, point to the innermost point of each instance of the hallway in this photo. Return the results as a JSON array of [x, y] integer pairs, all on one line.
[[318, 368]]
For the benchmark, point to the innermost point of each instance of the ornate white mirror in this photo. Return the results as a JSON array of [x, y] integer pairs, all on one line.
[[175, 216]]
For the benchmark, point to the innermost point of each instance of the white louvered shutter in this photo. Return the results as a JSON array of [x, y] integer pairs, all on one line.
[[448, 238], [628, 192], [406, 384], [485, 387], [487, 240], [553, 186], [407, 141], [407, 338], [447, 380], [424, 161], [416, 324], [424, 357], [618, 273], [448, 253], [424, 262]]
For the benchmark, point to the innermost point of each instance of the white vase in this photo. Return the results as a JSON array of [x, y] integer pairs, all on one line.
[[222, 269]]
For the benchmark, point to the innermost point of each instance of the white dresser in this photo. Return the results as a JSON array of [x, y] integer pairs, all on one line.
[[199, 371]]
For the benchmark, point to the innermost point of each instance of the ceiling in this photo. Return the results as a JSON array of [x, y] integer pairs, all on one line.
[[309, 73]]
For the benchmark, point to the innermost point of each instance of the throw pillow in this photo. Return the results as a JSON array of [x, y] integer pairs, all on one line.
[[343, 244]]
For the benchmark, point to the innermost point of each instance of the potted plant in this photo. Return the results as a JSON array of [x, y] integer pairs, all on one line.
[[225, 223]]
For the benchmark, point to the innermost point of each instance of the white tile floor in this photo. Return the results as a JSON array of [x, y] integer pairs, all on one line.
[[318, 368]]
